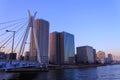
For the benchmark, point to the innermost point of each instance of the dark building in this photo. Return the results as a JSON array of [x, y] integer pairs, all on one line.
[[76, 58], [2, 55], [94, 55], [62, 48], [12, 56], [27, 56], [7, 56]]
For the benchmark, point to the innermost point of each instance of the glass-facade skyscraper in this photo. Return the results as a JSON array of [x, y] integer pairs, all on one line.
[[62, 48]]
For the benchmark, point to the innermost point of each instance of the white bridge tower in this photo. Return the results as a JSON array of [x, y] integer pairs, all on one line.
[[31, 24]]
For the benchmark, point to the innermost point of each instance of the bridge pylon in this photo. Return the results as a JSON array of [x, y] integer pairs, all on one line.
[[31, 24]]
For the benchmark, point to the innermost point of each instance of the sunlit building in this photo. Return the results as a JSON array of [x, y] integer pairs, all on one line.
[[101, 57], [42, 27], [85, 54], [62, 48]]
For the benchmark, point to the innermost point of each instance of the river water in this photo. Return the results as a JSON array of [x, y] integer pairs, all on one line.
[[111, 72]]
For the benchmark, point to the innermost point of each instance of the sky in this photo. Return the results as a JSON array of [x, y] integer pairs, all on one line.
[[93, 22]]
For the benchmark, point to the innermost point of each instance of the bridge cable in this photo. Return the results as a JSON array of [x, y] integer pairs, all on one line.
[[9, 26], [10, 37], [12, 21]]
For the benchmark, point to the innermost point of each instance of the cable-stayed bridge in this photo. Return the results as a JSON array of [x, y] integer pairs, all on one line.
[[15, 38]]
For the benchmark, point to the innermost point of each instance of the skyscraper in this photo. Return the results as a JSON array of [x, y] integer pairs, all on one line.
[[62, 48], [85, 54], [42, 33]]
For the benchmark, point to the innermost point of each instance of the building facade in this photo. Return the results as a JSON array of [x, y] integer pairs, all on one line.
[[85, 54], [2, 55], [107, 60], [101, 57], [27, 56], [12, 56], [94, 55], [55, 48], [110, 56], [62, 49], [42, 27]]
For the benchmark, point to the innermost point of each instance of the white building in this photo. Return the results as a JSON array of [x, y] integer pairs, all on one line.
[[101, 57], [85, 54]]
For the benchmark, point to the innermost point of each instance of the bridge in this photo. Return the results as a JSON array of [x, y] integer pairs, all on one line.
[[19, 36]]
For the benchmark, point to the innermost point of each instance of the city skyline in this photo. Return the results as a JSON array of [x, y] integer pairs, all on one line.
[[94, 23]]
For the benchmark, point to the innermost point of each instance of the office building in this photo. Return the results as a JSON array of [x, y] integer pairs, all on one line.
[[55, 48], [2, 55], [27, 56], [85, 54], [12, 56], [42, 33], [62, 49], [7, 56], [110, 57], [101, 57], [107, 60]]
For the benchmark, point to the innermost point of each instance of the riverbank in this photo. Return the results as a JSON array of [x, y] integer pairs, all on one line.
[[53, 67], [110, 73]]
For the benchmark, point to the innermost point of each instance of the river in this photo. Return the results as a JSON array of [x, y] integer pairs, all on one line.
[[111, 72]]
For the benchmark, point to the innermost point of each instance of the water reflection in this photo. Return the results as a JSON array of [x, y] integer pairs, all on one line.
[[7, 76], [99, 73], [52, 75], [69, 74], [86, 74], [18, 76]]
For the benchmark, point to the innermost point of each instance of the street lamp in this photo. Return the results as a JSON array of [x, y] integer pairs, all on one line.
[[13, 39]]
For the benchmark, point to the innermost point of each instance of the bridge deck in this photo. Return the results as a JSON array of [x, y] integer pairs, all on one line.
[[26, 70]]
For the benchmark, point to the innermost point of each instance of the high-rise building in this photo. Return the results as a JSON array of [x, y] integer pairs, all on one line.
[[101, 57], [62, 48], [42, 33], [55, 48], [85, 54]]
